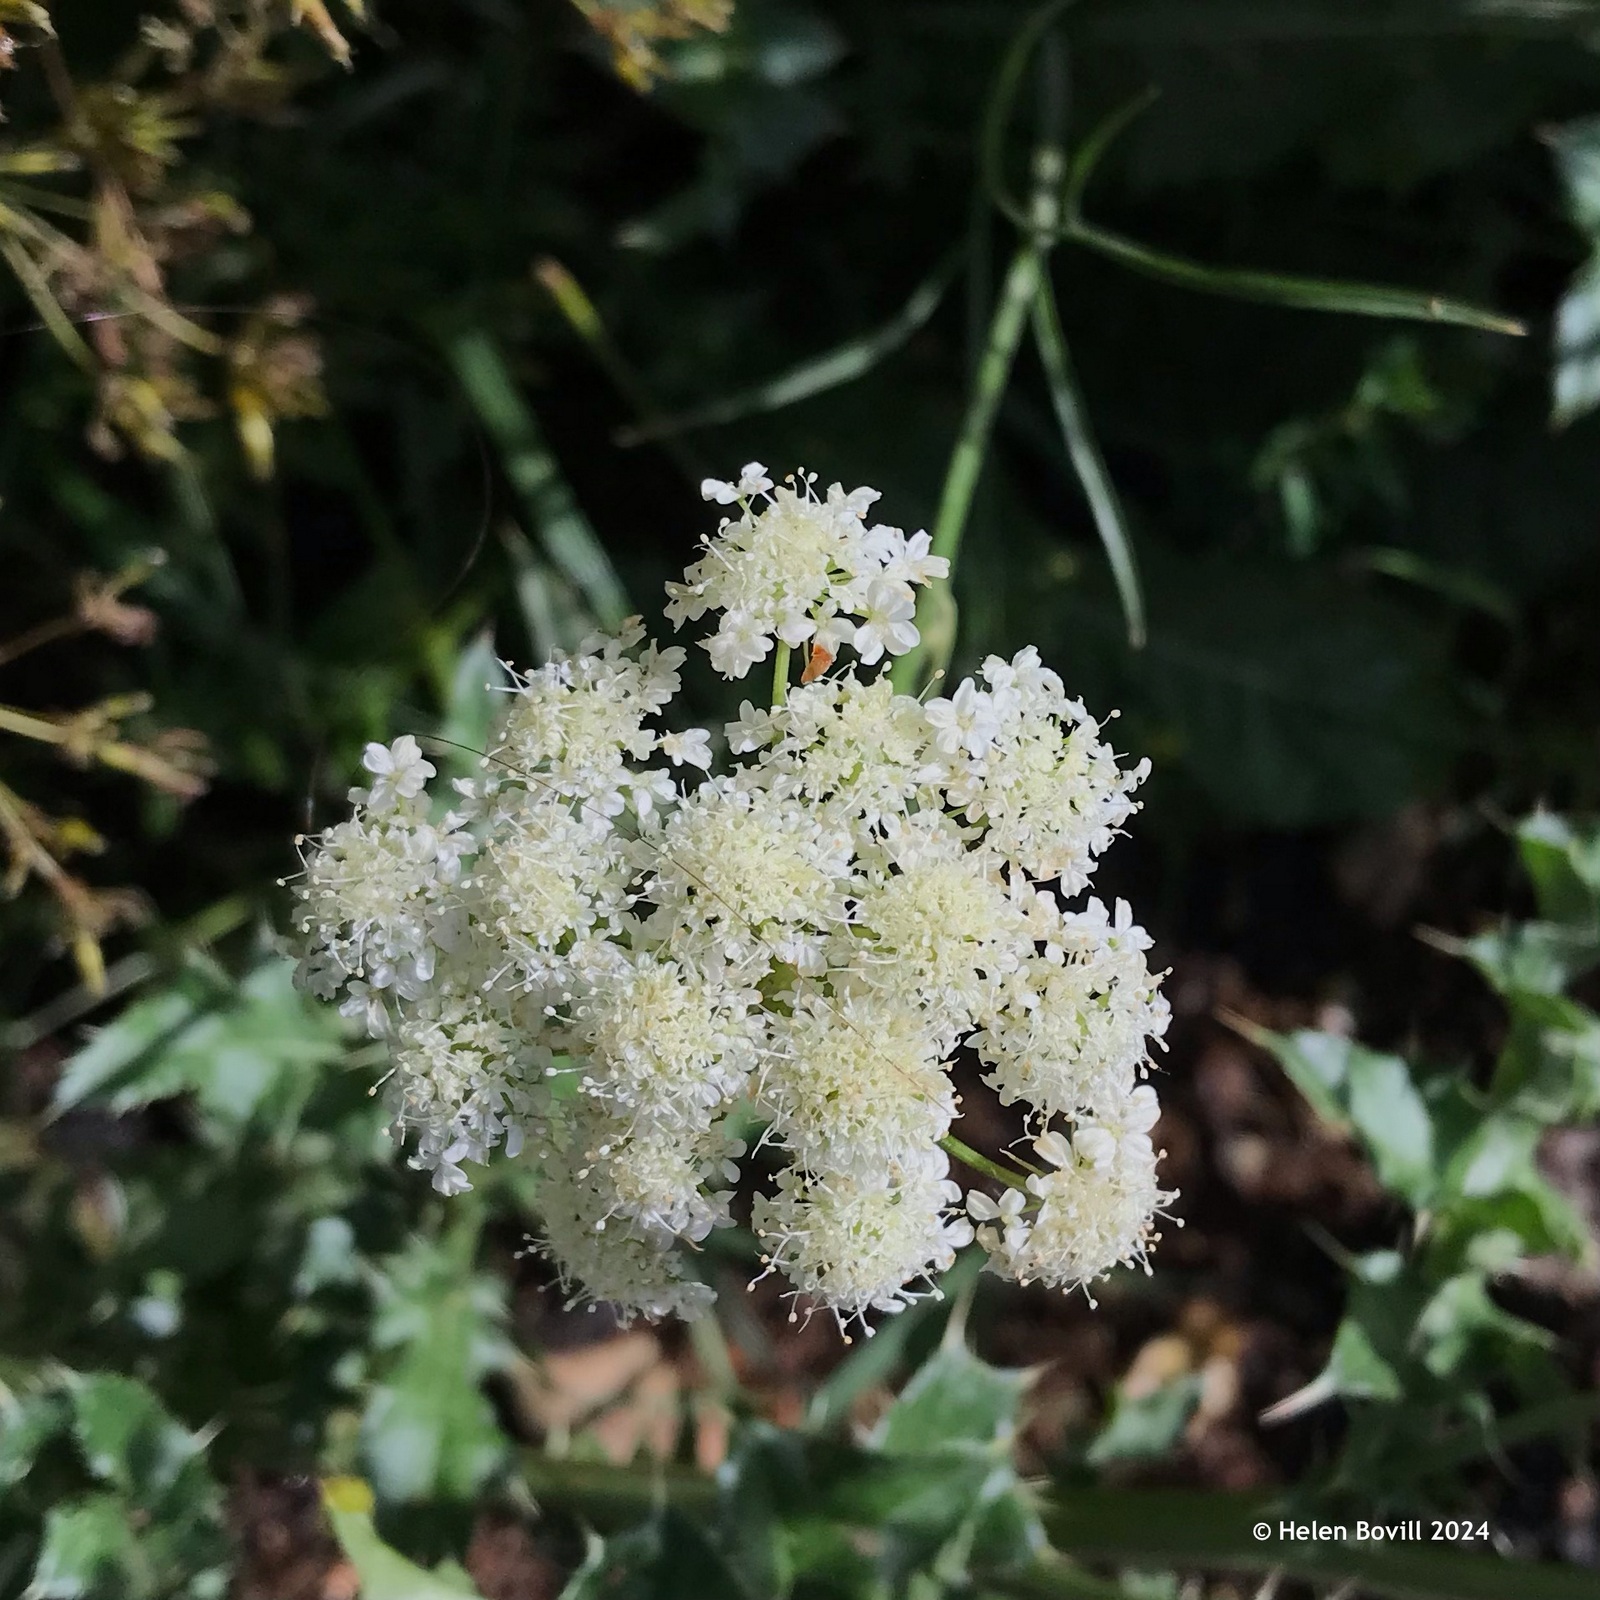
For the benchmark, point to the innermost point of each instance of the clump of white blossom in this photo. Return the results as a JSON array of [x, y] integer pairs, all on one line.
[[603, 957]]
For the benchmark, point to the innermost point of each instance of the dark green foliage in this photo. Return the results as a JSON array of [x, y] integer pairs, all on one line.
[[1425, 1351], [1365, 570], [129, 1507]]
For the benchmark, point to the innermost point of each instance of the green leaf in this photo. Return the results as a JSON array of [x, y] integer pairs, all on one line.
[[127, 1437], [1317, 1064], [1373, 1093], [1539, 957], [1577, 330], [1459, 1316], [1577, 151], [954, 1399], [250, 1054], [385, 1574], [154, 1531], [1146, 1427], [875, 1360], [1356, 1370], [1393, 1122], [667, 1558], [89, 1548], [28, 1421], [1563, 859], [428, 1431]]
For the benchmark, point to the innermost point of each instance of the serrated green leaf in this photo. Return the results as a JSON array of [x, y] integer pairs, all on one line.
[[1352, 1086], [126, 1435], [667, 1558], [875, 1360], [89, 1549], [954, 1399], [428, 1431], [1317, 1064], [1355, 1368], [1539, 957], [1563, 859], [1146, 1427], [28, 1421], [1460, 1314], [249, 1053], [1393, 1122]]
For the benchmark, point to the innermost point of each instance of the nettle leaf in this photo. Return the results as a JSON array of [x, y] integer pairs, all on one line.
[[89, 1548], [1372, 1093], [954, 1399], [250, 1053], [1563, 860], [28, 1422], [1532, 957], [1355, 1368], [127, 1437], [1148, 1426], [1459, 1317], [1577, 332], [428, 1431]]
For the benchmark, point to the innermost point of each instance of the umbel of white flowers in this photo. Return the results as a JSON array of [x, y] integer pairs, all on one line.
[[611, 964]]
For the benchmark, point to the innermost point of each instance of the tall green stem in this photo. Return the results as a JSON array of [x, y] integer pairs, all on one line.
[[1017, 295]]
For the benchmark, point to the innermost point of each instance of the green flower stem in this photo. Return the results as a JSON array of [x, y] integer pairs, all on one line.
[[1017, 294], [780, 675], [965, 1154]]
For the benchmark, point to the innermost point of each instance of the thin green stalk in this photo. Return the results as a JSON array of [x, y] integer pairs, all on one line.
[[780, 675], [965, 1154], [1002, 102], [1084, 453], [1005, 334], [966, 461], [1017, 294]]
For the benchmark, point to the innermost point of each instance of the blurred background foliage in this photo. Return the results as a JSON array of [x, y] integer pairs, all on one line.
[[349, 348]]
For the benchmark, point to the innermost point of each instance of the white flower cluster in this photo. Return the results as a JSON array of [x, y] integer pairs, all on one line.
[[627, 974]]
